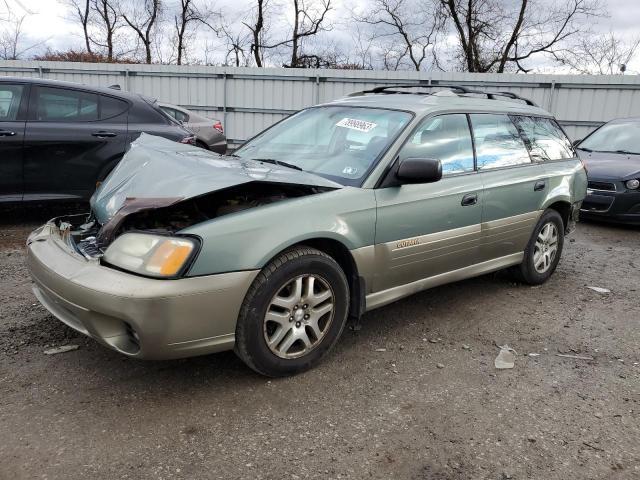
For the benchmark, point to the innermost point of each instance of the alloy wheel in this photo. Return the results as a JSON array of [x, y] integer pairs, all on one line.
[[546, 247], [299, 315]]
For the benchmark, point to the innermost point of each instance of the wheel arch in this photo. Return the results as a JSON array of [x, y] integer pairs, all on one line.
[[563, 207], [337, 250]]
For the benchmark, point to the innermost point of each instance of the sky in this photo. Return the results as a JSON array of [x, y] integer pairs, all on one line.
[[49, 22]]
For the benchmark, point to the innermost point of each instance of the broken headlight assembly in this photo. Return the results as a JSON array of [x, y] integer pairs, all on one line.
[[151, 255]]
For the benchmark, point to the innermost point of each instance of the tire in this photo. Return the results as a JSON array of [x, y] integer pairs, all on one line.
[[278, 312], [550, 223]]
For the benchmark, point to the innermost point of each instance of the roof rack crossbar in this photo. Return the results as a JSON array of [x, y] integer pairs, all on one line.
[[512, 96], [459, 89]]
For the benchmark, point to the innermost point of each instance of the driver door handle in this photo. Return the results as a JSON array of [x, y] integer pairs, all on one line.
[[469, 199], [6, 133], [103, 134]]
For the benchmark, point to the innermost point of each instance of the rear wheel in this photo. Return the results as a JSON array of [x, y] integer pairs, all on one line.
[[293, 313], [543, 251]]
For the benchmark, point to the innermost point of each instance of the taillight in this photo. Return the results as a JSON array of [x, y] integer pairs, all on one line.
[[190, 140], [218, 126]]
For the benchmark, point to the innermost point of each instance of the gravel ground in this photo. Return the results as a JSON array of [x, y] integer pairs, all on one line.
[[430, 405]]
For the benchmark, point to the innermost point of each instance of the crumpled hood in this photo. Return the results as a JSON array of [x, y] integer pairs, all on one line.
[[613, 166], [157, 168]]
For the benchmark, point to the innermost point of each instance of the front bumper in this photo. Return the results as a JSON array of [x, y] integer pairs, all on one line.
[[139, 317], [614, 206]]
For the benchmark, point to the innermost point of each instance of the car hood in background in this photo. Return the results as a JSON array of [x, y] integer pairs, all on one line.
[[615, 166], [167, 172]]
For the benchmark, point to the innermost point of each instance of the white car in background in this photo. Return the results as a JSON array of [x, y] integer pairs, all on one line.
[[209, 132]]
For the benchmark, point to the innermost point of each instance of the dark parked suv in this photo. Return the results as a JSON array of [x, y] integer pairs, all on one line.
[[58, 139]]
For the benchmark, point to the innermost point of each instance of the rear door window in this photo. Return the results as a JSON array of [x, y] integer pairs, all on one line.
[[498, 142], [65, 105], [446, 138], [544, 138], [10, 96]]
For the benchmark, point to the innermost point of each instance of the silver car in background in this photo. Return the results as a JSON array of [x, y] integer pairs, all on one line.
[[208, 131]]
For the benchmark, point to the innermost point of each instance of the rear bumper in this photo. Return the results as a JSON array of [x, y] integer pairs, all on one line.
[[136, 316]]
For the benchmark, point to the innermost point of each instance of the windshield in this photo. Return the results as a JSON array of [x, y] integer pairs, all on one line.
[[623, 137], [337, 142]]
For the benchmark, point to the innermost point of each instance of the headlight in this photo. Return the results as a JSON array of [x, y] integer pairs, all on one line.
[[632, 184], [152, 255]]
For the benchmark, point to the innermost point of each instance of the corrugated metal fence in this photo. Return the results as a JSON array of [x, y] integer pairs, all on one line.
[[248, 100]]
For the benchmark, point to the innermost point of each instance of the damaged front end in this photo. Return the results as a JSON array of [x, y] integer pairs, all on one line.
[[161, 188]]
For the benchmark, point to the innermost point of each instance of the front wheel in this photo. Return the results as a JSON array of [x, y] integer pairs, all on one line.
[[543, 251], [293, 313]]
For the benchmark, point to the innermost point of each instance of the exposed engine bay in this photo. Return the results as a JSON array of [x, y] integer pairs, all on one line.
[[170, 215]]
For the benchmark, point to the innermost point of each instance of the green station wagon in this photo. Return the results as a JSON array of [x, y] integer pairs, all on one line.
[[334, 211]]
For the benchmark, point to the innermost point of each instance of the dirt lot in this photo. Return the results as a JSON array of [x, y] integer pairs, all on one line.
[[430, 406]]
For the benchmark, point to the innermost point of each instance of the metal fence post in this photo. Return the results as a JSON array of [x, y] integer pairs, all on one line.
[[224, 103], [551, 95], [317, 88]]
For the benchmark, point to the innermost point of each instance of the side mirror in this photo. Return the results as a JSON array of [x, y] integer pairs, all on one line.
[[575, 143], [419, 170]]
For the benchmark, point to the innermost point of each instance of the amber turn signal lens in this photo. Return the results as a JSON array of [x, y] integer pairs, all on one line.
[[169, 258]]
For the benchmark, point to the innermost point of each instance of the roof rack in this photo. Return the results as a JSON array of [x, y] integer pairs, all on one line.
[[459, 89]]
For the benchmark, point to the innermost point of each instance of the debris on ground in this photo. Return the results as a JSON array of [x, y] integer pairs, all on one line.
[[381, 349], [466, 347], [62, 349], [599, 289], [439, 365], [506, 358], [534, 354], [577, 357]]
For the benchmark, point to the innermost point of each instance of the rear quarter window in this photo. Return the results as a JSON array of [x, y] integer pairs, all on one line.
[[544, 138], [111, 107]]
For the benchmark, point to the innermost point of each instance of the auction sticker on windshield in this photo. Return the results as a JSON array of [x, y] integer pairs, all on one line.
[[355, 124]]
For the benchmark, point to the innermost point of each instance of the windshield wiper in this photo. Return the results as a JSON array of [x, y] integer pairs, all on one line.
[[280, 163], [621, 152], [585, 149]]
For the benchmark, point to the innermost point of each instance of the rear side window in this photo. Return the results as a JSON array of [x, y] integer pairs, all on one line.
[[111, 107], [10, 96], [169, 111], [181, 117], [498, 142], [63, 105], [446, 138], [544, 138]]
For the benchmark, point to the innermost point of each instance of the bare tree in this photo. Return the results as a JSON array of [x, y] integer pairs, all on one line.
[[237, 45], [81, 11], [405, 31], [257, 29], [107, 21], [493, 35], [12, 41], [186, 21], [309, 19], [599, 54], [143, 17]]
